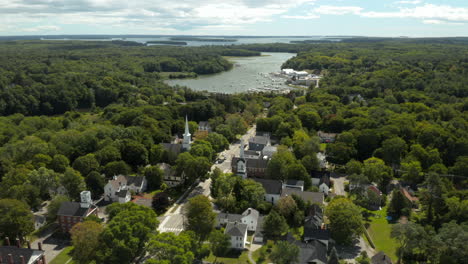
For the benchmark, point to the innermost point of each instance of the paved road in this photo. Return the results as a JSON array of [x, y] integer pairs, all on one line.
[[233, 151], [173, 219], [50, 245]]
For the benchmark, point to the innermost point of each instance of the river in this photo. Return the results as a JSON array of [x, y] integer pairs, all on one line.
[[248, 73]]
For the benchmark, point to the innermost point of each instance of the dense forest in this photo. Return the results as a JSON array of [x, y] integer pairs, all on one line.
[[73, 111], [40, 77]]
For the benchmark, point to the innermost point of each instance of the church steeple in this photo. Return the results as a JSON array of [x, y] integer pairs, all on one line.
[[187, 136], [242, 163]]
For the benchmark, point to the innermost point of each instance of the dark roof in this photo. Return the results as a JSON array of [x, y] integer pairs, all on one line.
[[16, 252], [259, 140], [313, 197], [73, 209], [259, 230], [319, 174], [294, 183], [251, 163], [313, 222], [252, 153], [270, 186], [381, 258], [235, 229], [316, 234], [325, 179], [204, 123], [135, 180], [122, 193], [314, 210], [174, 148], [311, 252]]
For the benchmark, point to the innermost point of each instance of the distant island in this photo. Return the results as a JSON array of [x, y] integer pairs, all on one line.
[[167, 42], [203, 39], [311, 41]]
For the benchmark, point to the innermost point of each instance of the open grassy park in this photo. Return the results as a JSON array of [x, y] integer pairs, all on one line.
[[379, 230]]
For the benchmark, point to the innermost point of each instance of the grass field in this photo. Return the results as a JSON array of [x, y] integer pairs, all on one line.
[[63, 257], [379, 231], [231, 258]]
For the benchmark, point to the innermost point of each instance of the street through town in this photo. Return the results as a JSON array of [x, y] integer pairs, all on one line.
[[173, 219]]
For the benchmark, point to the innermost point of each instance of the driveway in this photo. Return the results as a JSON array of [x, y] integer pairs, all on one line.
[[338, 185]]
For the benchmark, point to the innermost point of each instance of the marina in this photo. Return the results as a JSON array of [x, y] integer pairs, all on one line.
[[249, 74]]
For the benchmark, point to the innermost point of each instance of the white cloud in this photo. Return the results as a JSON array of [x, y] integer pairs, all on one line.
[[338, 10], [41, 29], [426, 12], [414, 2], [439, 22], [180, 15], [311, 16]]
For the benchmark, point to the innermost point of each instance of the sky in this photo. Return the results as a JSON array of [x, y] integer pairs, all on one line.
[[392, 18]]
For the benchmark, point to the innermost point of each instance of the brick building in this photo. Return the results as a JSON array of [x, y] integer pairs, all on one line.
[[71, 213]]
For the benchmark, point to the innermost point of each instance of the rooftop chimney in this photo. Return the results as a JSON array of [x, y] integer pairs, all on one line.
[[18, 243], [29, 244], [1, 258], [22, 260], [7, 241], [10, 259], [39, 245]]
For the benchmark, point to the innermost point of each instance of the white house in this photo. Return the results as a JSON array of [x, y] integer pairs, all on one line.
[[120, 187], [238, 234], [250, 218]]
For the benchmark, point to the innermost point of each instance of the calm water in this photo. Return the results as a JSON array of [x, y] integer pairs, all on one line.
[[239, 40], [247, 74]]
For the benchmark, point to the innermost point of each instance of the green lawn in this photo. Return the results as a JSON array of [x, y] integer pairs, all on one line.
[[231, 258], [379, 231], [323, 146], [256, 255], [63, 257]]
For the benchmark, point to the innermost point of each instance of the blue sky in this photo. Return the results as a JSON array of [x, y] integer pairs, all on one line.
[[414, 18]]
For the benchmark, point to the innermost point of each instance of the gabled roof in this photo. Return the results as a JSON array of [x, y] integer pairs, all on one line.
[[250, 211], [119, 180], [259, 230], [294, 182], [313, 197], [122, 193], [236, 229], [270, 186], [251, 163], [381, 258], [136, 181], [223, 217], [318, 234], [173, 148], [203, 124], [259, 140], [312, 252], [314, 210], [74, 209], [30, 255], [313, 222]]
